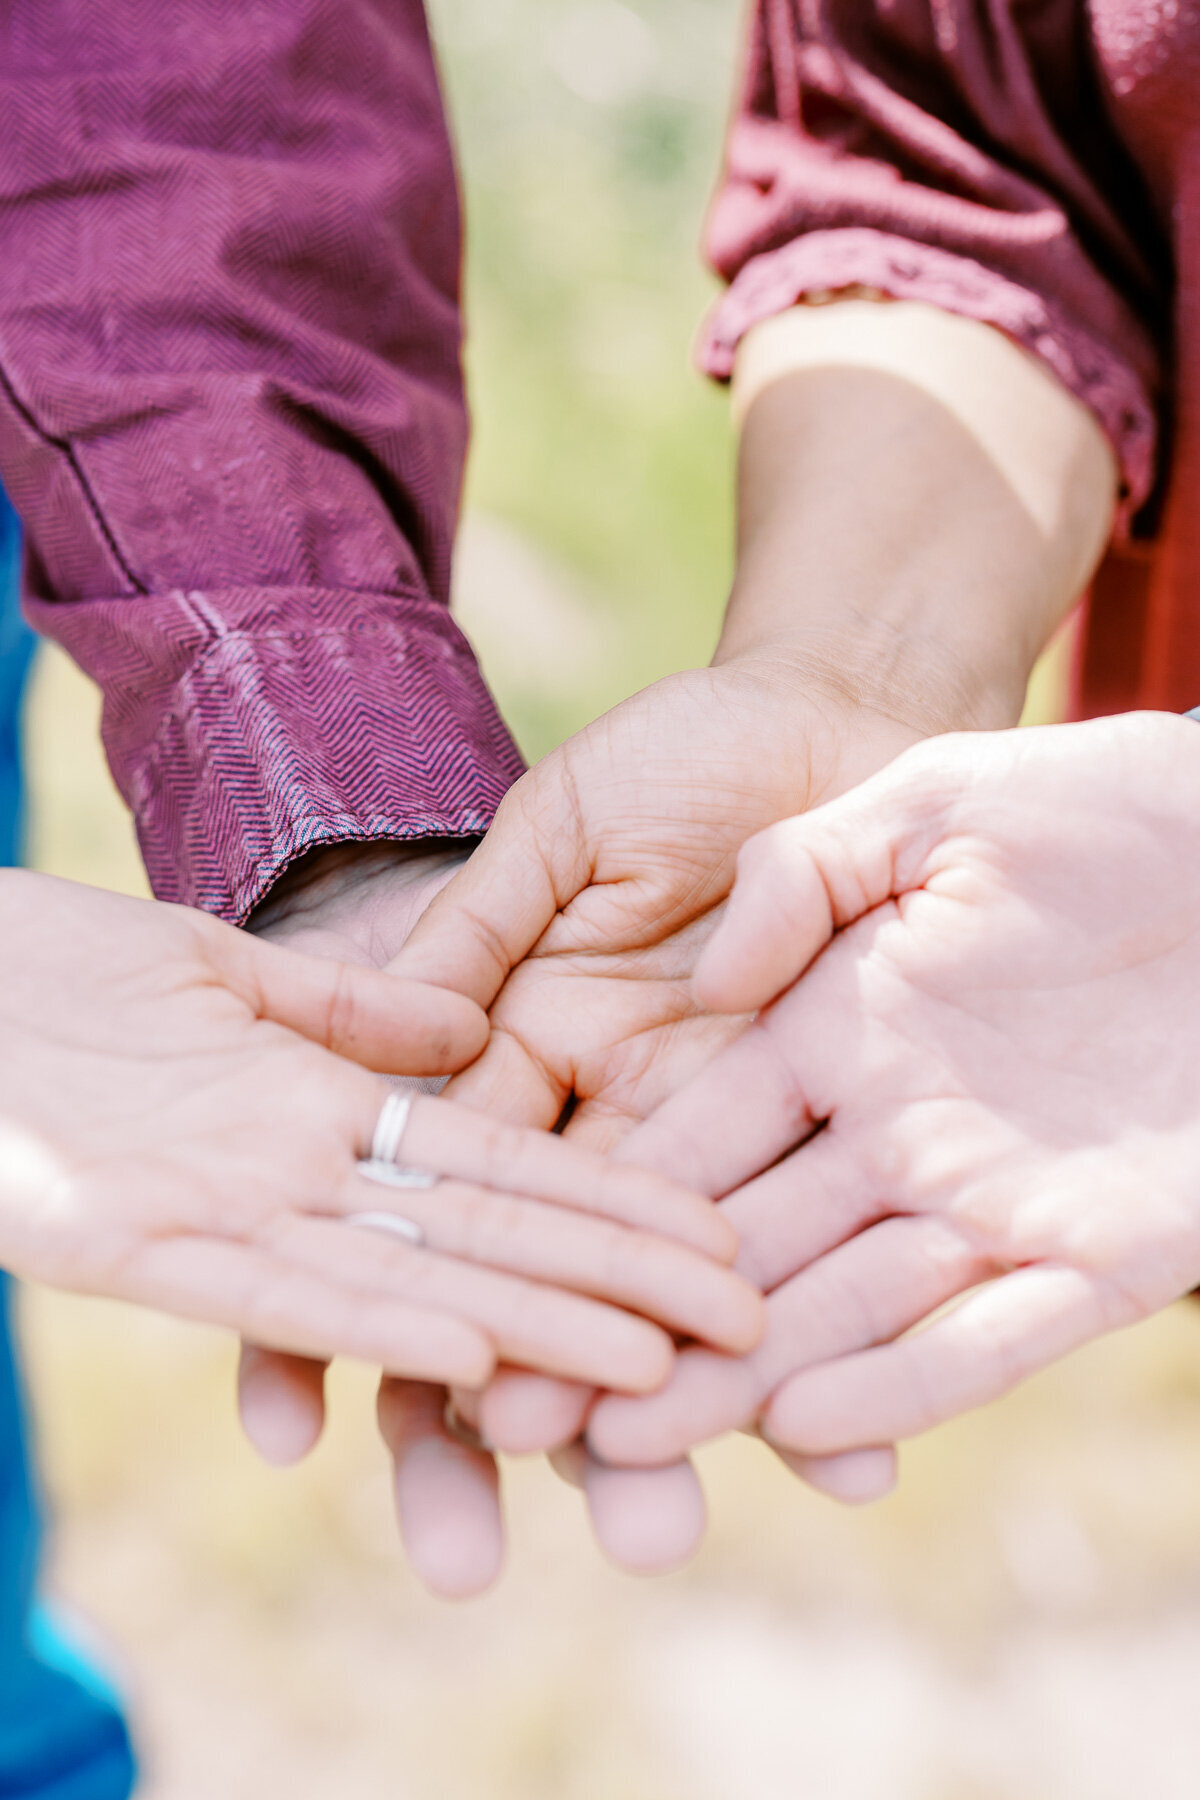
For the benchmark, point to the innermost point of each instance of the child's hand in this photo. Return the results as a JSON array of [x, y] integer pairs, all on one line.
[[994, 1078]]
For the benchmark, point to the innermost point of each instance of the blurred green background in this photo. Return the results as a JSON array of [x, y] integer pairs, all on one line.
[[589, 140], [1021, 1621]]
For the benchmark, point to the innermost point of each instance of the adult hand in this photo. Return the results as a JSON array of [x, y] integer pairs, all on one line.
[[992, 1076], [918, 506], [906, 543], [584, 910], [580, 916], [170, 1137], [359, 902], [355, 903]]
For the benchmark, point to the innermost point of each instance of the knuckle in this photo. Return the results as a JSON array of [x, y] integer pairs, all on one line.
[[340, 1009], [500, 1146], [625, 1261], [484, 1221], [274, 1306]]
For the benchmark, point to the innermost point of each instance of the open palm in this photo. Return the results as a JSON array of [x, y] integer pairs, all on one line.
[[991, 1077], [579, 922], [580, 918]]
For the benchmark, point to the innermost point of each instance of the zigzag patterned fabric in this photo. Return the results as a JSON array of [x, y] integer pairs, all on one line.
[[232, 419]]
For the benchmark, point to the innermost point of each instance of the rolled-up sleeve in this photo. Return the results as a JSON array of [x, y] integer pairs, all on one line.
[[232, 420], [955, 153]]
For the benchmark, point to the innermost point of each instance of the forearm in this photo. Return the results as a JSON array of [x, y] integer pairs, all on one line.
[[920, 504]]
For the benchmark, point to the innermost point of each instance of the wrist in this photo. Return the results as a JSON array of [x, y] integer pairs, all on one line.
[[335, 874], [908, 673], [912, 544]]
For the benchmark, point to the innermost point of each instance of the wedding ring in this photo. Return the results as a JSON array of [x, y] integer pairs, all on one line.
[[381, 1166]]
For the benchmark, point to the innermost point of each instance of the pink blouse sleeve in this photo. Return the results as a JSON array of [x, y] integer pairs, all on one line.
[[953, 152]]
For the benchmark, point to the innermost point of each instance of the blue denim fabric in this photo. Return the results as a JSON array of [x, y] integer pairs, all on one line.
[[62, 1736], [16, 648]]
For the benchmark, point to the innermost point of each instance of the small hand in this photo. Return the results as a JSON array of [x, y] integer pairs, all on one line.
[[991, 1075]]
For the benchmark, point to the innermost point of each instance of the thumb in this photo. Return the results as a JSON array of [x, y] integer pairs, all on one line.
[[484, 921], [806, 878], [394, 1027]]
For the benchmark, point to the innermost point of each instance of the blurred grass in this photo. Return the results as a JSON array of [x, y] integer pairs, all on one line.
[[1021, 1621], [594, 437]]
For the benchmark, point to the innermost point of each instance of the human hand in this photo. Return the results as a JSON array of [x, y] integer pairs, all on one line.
[[991, 1075], [580, 916], [359, 901], [170, 1136], [355, 903], [131, 1030], [864, 495], [916, 486], [587, 906]]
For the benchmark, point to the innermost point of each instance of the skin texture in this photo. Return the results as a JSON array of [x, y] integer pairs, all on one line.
[[990, 1069], [902, 560], [177, 1130], [603, 1010]]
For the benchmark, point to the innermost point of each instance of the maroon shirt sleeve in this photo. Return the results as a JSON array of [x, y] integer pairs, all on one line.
[[958, 153], [231, 418]]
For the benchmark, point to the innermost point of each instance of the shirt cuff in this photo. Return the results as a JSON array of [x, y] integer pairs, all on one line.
[[821, 262], [248, 726]]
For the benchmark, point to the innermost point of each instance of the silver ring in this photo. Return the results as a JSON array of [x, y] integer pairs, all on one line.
[[381, 1166], [391, 1223]]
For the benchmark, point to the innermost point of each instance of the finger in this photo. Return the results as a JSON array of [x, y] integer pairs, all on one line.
[[865, 1292], [650, 1275], [731, 1121], [461, 1414], [801, 880], [281, 1403], [447, 1494], [706, 1396], [520, 1412], [458, 1141], [779, 915], [392, 1026], [570, 1464], [278, 1302], [647, 1521], [802, 1207], [509, 1084], [537, 1326], [856, 1478], [994, 1339], [480, 926]]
